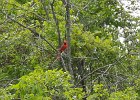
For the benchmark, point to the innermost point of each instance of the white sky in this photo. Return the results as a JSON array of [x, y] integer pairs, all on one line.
[[135, 9]]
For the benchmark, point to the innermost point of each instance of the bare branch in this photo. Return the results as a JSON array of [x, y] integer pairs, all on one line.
[[64, 65], [106, 66], [8, 81], [57, 23]]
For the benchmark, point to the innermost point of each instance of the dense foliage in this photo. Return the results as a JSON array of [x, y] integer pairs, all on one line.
[[101, 63]]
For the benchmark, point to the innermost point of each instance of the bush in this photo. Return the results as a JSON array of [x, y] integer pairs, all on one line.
[[40, 85]]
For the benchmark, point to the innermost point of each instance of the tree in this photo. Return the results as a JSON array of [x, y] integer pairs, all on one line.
[[32, 31]]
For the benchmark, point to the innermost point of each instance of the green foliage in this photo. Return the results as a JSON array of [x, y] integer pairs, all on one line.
[[127, 94], [97, 54], [23, 1], [4, 95], [99, 93], [47, 85]]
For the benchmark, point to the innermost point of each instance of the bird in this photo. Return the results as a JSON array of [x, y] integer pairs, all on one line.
[[63, 47]]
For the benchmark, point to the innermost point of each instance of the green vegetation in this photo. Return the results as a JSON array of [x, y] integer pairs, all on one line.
[[95, 66]]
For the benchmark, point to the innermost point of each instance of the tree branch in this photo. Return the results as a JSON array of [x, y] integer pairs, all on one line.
[[57, 23], [106, 66], [33, 31]]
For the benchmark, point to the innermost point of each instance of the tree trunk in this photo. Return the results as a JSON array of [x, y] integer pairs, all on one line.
[[68, 25]]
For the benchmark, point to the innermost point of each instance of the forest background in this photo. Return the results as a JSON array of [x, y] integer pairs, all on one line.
[[102, 61]]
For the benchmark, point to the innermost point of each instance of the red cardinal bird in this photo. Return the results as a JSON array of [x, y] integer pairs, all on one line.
[[62, 49], [64, 46]]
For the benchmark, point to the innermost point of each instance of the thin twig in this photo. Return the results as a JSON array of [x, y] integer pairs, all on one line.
[[9, 81], [64, 65], [106, 66]]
